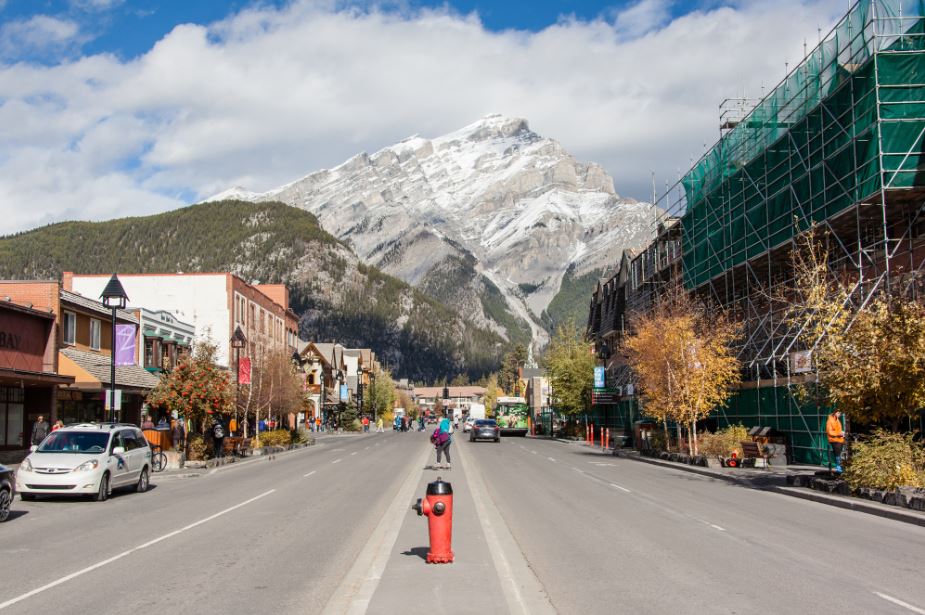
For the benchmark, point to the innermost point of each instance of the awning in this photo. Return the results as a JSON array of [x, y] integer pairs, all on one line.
[[24, 378], [91, 372]]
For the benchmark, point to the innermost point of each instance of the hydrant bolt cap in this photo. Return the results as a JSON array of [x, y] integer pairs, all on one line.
[[439, 508]]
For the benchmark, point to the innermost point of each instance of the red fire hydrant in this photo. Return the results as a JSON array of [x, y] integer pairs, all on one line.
[[438, 506]]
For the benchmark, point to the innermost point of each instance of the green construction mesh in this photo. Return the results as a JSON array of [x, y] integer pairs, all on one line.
[[812, 147]]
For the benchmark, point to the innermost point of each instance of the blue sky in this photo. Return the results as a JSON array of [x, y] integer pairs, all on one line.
[[126, 107], [130, 28]]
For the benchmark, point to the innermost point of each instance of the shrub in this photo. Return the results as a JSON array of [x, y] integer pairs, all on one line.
[[198, 448], [724, 441], [301, 436], [277, 437], [886, 460]]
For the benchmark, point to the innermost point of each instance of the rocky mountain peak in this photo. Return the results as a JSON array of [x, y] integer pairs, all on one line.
[[508, 212]]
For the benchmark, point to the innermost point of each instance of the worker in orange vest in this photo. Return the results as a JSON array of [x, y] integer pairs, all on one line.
[[836, 435]]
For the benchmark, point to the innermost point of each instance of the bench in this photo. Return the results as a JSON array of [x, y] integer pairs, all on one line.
[[236, 447], [751, 450]]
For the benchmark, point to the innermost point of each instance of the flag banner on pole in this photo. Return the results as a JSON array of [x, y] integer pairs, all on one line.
[[244, 371], [125, 344]]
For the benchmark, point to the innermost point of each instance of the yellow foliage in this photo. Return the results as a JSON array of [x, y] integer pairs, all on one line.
[[682, 357]]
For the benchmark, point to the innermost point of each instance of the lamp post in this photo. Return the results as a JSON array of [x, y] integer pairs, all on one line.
[[238, 341], [114, 297]]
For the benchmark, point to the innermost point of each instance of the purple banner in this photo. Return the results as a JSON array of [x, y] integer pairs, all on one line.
[[125, 344]]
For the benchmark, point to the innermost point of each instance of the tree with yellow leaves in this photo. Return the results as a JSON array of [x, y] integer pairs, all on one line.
[[868, 349], [681, 354]]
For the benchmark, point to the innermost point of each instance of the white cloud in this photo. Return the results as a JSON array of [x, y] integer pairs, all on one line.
[[38, 33], [642, 17], [96, 5], [270, 95]]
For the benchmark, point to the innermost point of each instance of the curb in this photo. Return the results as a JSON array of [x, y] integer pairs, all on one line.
[[847, 503]]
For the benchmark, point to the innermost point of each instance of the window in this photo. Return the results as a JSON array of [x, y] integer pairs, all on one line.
[[70, 328], [94, 334]]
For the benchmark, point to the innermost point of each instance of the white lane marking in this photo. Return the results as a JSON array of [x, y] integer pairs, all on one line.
[[366, 449], [602, 464], [899, 602], [114, 558], [579, 471], [526, 593], [620, 488], [522, 447], [534, 452], [353, 453], [716, 527], [336, 461], [309, 474], [551, 459], [360, 583]]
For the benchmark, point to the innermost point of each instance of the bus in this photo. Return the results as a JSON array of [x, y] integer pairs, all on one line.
[[513, 416]]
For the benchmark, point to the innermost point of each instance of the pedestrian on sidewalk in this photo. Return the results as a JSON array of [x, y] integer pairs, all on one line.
[[379, 425], [836, 435], [443, 438], [218, 438], [39, 430], [365, 424], [178, 435]]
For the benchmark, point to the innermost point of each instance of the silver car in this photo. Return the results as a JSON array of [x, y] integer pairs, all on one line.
[[88, 459], [485, 429]]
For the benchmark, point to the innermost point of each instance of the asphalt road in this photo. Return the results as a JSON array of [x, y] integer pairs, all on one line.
[[539, 527]]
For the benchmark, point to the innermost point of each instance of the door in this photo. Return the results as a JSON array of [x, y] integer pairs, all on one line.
[[119, 470], [141, 453]]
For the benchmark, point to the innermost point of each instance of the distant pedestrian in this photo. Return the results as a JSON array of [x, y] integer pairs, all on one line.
[[146, 422], [218, 438], [39, 430], [379, 425], [836, 435], [317, 423], [365, 422], [444, 439], [178, 435]]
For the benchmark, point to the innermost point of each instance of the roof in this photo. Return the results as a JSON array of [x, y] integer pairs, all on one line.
[[98, 366], [96, 306], [27, 309]]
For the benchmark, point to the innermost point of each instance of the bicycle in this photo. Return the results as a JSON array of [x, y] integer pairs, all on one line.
[[158, 459]]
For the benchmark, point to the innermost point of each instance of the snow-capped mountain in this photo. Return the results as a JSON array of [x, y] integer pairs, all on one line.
[[488, 218]]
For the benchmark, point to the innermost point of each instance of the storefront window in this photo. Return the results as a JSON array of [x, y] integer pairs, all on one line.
[[11, 417]]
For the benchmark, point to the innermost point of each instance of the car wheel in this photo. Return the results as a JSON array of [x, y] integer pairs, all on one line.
[[26, 497], [6, 500], [142, 485], [103, 492]]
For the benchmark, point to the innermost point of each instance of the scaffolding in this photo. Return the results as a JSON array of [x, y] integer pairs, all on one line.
[[838, 143]]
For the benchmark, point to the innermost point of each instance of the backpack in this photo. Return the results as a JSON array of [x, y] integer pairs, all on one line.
[[218, 431]]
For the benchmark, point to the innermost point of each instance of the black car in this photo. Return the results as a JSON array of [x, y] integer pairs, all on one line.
[[6, 492], [485, 429]]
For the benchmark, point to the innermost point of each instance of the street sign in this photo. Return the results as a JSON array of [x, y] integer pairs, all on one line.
[[108, 394], [605, 398], [344, 395], [598, 377]]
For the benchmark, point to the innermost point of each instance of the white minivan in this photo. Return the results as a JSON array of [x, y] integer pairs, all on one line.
[[86, 459]]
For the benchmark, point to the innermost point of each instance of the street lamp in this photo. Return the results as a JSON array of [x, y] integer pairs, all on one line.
[[238, 341], [114, 297]]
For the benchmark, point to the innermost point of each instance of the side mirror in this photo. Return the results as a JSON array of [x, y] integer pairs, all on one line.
[[119, 450], [33, 448]]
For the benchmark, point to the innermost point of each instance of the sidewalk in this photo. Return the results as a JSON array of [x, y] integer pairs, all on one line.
[[775, 480]]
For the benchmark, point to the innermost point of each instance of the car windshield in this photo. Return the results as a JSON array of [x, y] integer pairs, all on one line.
[[486, 423], [74, 442]]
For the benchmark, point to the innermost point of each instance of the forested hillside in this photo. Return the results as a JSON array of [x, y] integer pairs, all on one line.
[[337, 297]]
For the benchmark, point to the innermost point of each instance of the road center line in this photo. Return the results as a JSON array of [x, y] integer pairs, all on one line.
[[360, 583], [551, 459], [620, 488], [534, 452], [353, 453], [310, 473], [716, 527], [336, 461], [114, 558], [899, 602]]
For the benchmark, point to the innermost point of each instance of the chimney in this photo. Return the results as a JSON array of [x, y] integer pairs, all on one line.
[[67, 281]]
